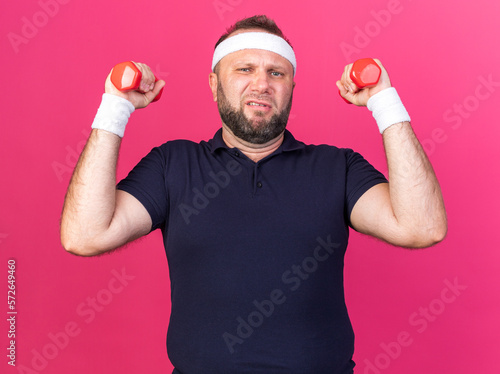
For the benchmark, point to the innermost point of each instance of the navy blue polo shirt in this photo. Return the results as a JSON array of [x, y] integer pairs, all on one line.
[[255, 253]]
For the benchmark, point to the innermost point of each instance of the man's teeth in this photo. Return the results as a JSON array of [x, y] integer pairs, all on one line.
[[256, 104]]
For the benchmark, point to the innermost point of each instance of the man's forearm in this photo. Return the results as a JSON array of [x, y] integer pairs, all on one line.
[[415, 194], [90, 200]]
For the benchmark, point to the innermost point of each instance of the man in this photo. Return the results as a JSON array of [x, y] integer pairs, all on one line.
[[255, 223]]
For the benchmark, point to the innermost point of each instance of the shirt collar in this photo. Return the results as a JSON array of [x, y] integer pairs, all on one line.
[[289, 142]]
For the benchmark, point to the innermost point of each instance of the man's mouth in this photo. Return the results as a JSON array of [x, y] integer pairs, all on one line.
[[258, 104]]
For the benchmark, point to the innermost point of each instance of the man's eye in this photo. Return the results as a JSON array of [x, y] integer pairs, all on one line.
[[244, 69], [277, 74]]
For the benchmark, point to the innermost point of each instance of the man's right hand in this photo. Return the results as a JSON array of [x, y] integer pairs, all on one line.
[[146, 92]]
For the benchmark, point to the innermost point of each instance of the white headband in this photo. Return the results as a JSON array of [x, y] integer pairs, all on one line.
[[255, 40]]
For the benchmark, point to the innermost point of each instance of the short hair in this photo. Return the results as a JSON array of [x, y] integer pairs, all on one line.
[[255, 22]]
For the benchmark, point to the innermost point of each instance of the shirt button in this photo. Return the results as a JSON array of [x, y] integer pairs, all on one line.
[[259, 184], [237, 154]]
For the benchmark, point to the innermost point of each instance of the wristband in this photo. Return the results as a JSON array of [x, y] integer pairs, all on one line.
[[113, 114], [387, 108]]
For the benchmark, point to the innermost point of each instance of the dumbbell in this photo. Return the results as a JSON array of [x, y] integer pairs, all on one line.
[[365, 72], [127, 77]]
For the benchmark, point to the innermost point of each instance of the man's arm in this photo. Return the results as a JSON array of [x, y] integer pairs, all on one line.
[[409, 210], [96, 217]]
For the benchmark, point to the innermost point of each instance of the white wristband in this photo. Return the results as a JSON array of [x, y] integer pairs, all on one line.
[[387, 108], [113, 114]]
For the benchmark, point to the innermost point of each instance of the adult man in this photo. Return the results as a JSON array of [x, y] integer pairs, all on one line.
[[255, 223]]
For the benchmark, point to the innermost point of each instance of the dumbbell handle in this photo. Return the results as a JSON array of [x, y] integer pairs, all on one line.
[[365, 72], [127, 77]]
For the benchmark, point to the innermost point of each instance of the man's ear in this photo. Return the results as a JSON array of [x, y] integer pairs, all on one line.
[[212, 81]]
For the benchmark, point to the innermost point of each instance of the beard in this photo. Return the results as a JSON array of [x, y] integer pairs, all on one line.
[[256, 131]]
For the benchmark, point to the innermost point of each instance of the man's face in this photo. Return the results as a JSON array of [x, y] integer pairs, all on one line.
[[254, 91]]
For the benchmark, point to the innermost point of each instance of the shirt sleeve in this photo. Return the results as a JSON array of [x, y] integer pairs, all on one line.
[[147, 183], [361, 176]]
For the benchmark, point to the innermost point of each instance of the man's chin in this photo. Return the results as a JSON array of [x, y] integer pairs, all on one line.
[[257, 115], [258, 124]]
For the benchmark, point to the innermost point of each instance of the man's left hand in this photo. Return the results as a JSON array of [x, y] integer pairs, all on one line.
[[356, 95]]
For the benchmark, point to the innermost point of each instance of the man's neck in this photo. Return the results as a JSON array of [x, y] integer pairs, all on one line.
[[254, 152]]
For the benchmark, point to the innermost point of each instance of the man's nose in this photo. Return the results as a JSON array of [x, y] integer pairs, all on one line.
[[260, 81]]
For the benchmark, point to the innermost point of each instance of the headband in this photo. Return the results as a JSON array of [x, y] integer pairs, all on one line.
[[255, 40]]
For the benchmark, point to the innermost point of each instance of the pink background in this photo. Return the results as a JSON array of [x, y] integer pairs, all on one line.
[[440, 56]]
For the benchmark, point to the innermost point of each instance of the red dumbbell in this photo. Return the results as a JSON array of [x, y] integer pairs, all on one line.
[[127, 77], [364, 73]]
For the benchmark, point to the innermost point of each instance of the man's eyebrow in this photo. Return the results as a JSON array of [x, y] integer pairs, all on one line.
[[277, 67], [244, 62], [251, 63]]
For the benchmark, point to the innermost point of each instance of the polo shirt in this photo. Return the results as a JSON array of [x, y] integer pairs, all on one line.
[[255, 253]]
